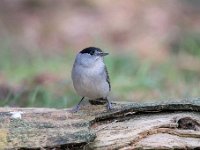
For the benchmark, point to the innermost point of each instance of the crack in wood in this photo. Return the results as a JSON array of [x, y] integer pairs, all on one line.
[[188, 123], [166, 129], [133, 109], [78, 129]]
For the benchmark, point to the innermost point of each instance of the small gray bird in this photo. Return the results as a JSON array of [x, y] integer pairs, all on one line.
[[90, 75]]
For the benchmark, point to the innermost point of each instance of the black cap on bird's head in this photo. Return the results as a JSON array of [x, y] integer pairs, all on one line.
[[93, 51]]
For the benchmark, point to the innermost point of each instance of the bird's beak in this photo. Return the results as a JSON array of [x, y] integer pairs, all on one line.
[[102, 54]]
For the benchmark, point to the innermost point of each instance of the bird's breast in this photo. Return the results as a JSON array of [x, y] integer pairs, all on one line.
[[90, 82]]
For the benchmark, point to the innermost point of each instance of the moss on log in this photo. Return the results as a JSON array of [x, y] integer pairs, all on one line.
[[170, 125]]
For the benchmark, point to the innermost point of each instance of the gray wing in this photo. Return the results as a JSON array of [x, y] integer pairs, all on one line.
[[108, 78]]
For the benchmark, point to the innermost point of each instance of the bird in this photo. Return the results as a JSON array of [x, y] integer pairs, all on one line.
[[90, 76]]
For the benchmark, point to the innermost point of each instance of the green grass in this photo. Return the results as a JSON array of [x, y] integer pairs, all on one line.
[[21, 70], [131, 79]]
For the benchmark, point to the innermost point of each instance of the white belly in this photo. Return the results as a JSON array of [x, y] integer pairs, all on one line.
[[90, 82]]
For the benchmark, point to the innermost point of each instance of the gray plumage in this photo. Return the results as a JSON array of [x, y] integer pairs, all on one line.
[[90, 76]]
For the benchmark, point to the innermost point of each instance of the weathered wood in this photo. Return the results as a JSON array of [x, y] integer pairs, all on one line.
[[128, 126]]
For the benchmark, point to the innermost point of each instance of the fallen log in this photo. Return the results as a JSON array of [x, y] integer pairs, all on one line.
[[169, 125]]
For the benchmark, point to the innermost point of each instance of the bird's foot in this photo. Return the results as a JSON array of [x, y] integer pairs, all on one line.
[[109, 106], [75, 109]]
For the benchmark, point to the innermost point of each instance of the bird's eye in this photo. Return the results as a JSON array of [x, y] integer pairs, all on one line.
[[92, 52]]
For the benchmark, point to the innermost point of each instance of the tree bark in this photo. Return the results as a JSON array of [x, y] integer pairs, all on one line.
[[170, 125]]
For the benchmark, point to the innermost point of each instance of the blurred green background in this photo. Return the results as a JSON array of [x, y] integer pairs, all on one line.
[[154, 49]]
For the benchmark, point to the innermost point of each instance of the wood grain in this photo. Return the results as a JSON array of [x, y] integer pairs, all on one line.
[[169, 125]]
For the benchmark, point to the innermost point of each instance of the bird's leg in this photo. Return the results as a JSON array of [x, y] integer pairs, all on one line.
[[109, 105], [76, 108]]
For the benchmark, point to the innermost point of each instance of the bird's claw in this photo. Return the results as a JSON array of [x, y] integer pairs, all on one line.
[[109, 106], [75, 109]]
